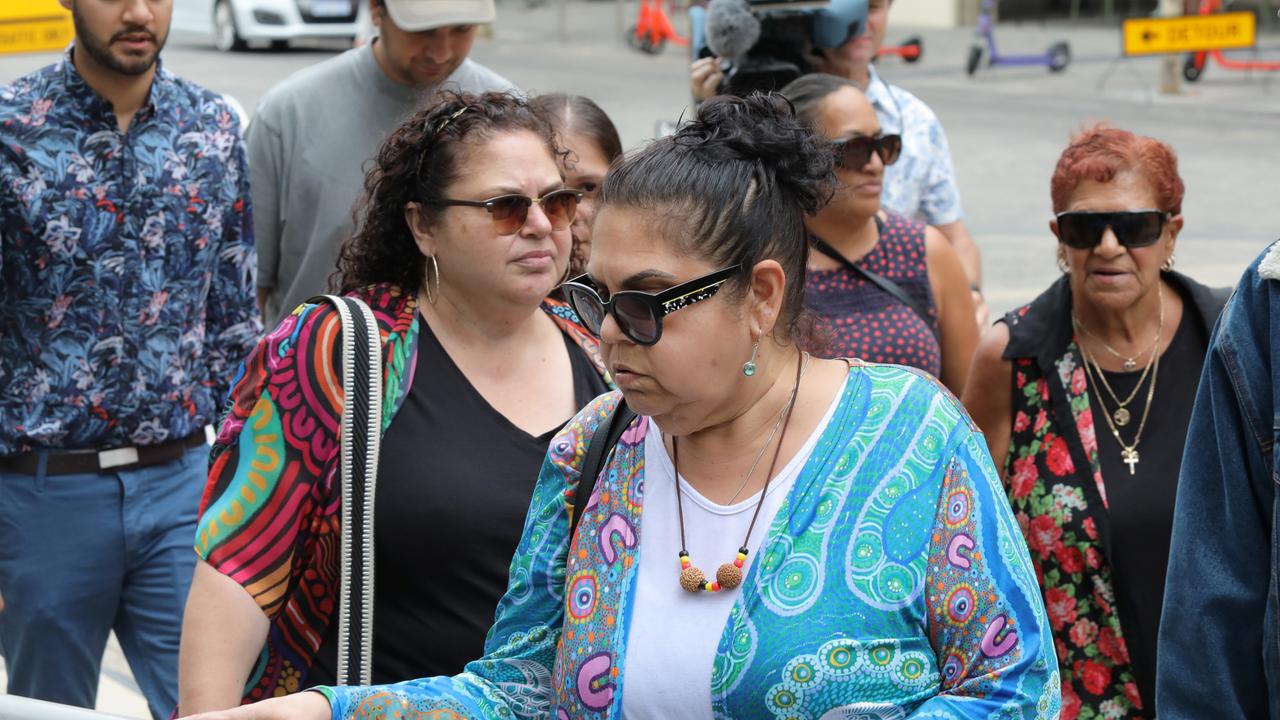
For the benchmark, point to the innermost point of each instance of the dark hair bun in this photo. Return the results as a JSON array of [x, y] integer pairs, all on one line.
[[764, 129]]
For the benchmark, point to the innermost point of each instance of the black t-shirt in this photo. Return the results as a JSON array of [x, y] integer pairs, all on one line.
[[455, 479], [1140, 506]]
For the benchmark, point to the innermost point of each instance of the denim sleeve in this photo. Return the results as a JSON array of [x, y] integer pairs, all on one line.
[[1211, 647]]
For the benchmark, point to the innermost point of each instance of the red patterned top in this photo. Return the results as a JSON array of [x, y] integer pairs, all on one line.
[[861, 320]]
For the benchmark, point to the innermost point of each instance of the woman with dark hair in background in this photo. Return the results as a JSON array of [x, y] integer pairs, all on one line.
[[773, 535], [463, 233], [889, 289], [1084, 396], [591, 145]]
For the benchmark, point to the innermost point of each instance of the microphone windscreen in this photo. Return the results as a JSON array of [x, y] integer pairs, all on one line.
[[731, 28]]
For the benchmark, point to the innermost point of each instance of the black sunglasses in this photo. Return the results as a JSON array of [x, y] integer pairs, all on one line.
[[1133, 228], [510, 212], [639, 314], [854, 153]]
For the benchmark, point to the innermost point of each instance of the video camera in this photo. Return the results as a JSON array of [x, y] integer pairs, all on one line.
[[764, 44]]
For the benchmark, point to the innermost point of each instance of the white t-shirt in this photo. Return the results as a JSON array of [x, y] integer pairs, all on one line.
[[671, 645]]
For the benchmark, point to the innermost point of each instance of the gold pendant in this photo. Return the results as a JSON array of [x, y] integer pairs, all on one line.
[[1121, 416], [1129, 456]]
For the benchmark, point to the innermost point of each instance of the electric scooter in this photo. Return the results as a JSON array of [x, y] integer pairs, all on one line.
[[1056, 58], [1197, 62]]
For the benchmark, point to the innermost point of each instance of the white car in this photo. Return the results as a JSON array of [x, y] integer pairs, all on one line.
[[233, 24]]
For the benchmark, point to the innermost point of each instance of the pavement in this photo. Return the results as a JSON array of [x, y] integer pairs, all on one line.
[[1006, 127], [117, 692]]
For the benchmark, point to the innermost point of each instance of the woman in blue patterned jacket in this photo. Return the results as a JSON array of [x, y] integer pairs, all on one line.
[[836, 543]]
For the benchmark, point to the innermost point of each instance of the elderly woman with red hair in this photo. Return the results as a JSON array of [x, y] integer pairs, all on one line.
[[1085, 396]]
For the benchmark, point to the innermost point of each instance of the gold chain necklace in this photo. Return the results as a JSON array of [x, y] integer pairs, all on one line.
[[1122, 416], [1130, 364], [1128, 453]]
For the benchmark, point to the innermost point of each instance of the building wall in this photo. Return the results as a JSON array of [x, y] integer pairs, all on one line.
[[928, 13]]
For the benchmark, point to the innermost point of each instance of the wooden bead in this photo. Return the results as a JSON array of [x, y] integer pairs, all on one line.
[[692, 579], [729, 576]]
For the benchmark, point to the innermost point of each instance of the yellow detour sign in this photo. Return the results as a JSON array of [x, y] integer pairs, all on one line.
[[1189, 33], [31, 25]]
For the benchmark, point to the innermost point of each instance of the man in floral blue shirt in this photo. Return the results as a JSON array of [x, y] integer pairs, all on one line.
[[126, 303]]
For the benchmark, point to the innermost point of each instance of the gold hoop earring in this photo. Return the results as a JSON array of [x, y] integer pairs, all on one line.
[[432, 264], [1168, 264]]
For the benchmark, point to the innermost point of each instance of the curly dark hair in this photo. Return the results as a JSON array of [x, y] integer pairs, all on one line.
[[735, 186], [418, 162]]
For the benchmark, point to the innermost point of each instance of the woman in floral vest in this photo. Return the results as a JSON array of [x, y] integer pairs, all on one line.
[[1084, 396]]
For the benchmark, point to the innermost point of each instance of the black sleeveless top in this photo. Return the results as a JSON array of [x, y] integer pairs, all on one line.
[[1140, 505]]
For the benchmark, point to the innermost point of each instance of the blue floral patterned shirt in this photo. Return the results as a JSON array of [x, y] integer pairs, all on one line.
[[922, 183], [126, 263]]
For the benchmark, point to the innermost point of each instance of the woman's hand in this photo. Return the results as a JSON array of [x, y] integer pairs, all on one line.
[[705, 77], [303, 706]]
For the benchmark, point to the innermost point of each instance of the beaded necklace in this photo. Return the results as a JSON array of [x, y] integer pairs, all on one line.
[[728, 575]]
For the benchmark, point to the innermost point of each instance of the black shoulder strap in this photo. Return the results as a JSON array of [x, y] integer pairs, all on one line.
[[607, 435], [876, 278], [360, 445]]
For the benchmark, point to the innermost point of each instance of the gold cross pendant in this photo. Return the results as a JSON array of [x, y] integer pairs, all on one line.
[[1129, 456]]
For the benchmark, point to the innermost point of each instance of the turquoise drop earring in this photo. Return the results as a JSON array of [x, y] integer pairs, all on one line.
[[749, 367]]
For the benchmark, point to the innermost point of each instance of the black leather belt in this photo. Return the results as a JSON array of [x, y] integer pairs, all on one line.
[[81, 462]]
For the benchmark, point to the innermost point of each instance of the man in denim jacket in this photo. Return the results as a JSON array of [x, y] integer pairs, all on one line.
[[1218, 650]]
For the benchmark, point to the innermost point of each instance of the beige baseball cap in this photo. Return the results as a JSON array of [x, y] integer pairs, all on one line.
[[419, 15]]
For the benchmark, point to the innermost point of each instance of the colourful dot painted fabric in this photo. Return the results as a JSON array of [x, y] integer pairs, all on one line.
[[860, 320], [891, 583]]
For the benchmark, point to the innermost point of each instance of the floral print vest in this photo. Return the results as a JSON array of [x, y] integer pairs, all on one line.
[[1056, 488], [1058, 497]]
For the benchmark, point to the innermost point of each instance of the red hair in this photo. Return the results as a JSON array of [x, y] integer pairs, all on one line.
[[1100, 153]]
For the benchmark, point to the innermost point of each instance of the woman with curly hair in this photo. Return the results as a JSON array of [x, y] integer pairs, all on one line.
[[1085, 397], [772, 535], [463, 234]]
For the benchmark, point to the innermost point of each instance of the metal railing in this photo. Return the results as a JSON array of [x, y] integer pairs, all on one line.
[[13, 707]]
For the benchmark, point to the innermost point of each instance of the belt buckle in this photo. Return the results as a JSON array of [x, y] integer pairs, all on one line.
[[117, 457]]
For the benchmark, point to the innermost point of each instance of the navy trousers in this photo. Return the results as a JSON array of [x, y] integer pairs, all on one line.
[[82, 555]]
